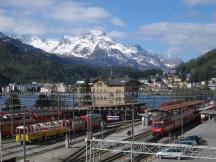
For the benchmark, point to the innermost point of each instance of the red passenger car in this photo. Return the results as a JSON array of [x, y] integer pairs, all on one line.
[[96, 120], [164, 126]]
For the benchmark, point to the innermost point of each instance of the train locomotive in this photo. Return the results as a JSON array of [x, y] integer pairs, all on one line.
[[164, 126], [40, 131]]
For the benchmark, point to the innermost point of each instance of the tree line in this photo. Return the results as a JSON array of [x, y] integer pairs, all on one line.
[[13, 102], [201, 69]]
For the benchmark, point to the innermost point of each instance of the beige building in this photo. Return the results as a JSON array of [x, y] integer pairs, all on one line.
[[114, 91]]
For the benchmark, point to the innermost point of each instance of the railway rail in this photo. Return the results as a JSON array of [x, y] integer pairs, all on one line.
[[141, 157], [76, 156], [136, 138], [14, 149]]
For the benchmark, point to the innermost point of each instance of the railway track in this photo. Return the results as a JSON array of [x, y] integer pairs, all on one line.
[[140, 157], [35, 150], [13, 149], [8, 141], [10, 147], [136, 138], [143, 157], [77, 156]]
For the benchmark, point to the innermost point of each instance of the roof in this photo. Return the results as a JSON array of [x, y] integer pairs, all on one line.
[[20, 127], [181, 105], [83, 81], [156, 110], [209, 112], [119, 81]]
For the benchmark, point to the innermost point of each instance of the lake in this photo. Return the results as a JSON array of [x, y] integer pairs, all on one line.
[[29, 101]]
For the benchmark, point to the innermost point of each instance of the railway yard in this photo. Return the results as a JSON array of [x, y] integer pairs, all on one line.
[[54, 148], [159, 127]]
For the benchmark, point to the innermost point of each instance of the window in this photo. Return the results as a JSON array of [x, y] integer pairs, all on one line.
[[118, 91], [111, 94], [99, 84], [157, 125]]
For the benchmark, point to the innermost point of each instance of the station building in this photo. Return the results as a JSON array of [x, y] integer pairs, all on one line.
[[114, 91]]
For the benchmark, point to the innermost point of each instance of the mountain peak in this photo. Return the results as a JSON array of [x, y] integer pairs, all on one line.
[[95, 33], [96, 46]]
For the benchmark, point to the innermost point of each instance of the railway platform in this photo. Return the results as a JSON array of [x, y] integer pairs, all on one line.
[[208, 131]]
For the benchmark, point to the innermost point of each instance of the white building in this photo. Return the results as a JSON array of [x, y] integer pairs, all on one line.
[[47, 88], [60, 88]]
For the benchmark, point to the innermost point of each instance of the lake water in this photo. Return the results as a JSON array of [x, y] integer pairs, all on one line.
[[29, 101], [153, 101]]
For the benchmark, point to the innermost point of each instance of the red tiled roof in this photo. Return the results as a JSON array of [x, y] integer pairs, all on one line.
[[180, 105]]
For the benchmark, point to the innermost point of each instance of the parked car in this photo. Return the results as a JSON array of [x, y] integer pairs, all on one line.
[[197, 139], [186, 142], [177, 153]]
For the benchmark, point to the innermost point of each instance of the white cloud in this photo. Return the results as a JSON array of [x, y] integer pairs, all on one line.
[[174, 51], [199, 2], [178, 36], [117, 22], [53, 16], [28, 4], [117, 34], [19, 26], [71, 11]]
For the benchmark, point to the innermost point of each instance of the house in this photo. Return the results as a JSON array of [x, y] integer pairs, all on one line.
[[114, 91], [47, 88], [83, 91], [61, 88]]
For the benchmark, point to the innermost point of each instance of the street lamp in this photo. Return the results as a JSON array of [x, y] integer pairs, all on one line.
[[182, 117], [0, 142], [24, 138]]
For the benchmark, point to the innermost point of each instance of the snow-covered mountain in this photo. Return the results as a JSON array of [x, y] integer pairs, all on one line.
[[98, 48], [169, 61]]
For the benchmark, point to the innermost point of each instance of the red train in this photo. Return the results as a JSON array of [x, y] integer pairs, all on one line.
[[6, 126], [164, 126], [96, 120]]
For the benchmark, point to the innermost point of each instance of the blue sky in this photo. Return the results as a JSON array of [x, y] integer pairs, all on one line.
[[180, 28]]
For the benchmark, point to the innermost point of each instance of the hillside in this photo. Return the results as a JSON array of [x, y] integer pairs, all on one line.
[[201, 69], [23, 64], [22, 67]]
